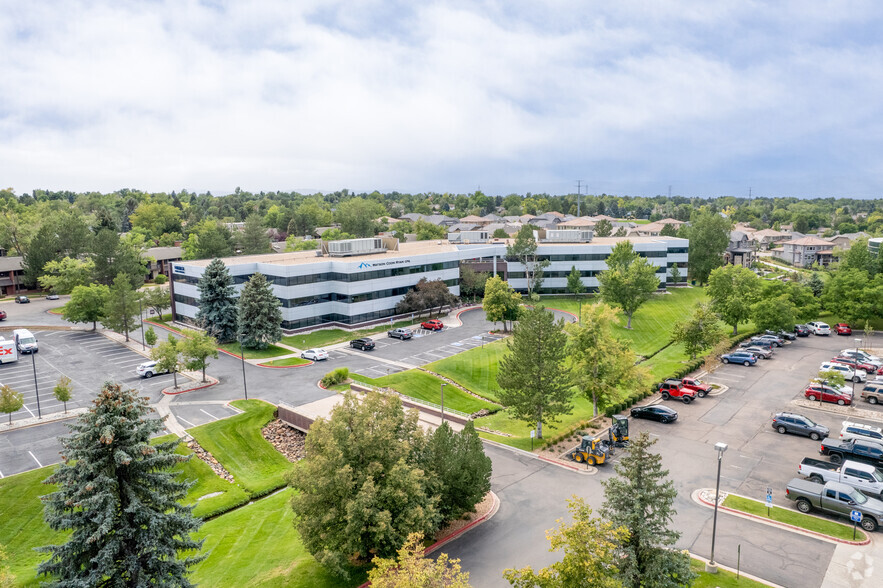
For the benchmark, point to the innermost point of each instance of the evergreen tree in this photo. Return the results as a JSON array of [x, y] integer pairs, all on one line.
[[150, 336], [669, 231], [628, 281], [86, 304], [675, 274], [113, 256], [121, 500], [459, 469], [603, 228], [121, 306], [260, 318], [574, 281], [533, 382], [217, 307], [816, 284], [360, 491], [640, 499], [254, 239]]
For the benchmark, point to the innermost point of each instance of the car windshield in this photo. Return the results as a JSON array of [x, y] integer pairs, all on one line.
[[29, 340], [878, 477]]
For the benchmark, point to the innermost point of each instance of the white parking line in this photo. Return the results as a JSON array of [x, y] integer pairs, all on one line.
[[185, 420], [36, 460], [209, 414]]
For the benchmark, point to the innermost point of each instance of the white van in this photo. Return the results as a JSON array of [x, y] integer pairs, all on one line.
[[25, 341]]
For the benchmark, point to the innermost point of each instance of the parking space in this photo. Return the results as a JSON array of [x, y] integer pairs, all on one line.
[[194, 414], [88, 359]]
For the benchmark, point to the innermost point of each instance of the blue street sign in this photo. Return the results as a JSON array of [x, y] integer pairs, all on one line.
[[856, 516], [769, 498]]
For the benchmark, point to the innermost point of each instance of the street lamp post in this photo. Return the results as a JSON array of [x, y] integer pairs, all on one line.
[[242, 356], [36, 387], [720, 448], [443, 401], [141, 316]]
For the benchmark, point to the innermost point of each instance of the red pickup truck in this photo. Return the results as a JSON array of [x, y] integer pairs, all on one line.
[[698, 386]]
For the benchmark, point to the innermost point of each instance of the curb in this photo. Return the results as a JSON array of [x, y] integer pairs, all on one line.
[[525, 453], [210, 384], [740, 572], [284, 367], [587, 471], [467, 309], [696, 496]]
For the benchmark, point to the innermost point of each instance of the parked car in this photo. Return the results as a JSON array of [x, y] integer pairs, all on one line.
[[655, 412], [801, 330], [763, 352], [365, 344], [849, 374], [827, 394], [862, 476], [148, 370], [862, 355], [843, 329], [433, 325], [872, 393], [743, 357], [782, 334], [854, 363], [789, 422], [673, 389], [400, 333], [317, 354], [835, 498], [774, 339], [22, 300], [865, 451], [755, 342], [819, 328], [696, 385], [2, 315], [52, 296], [852, 430]]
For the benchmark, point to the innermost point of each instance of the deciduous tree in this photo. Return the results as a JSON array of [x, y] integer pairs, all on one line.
[[640, 499], [196, 347], [87, 304], [426, 295], [412, 569], [472, 283], [154, 219], [65, 274], [157, 298], [701, 331], [590, 553], [150, 336], [260, 317], [427, 231], [459, 470], [121, 307], [773, 313], [628, 281], [709, 235], [733, 289], [854, 296], [360, 491], [121, 500], [524, 250], [534, 384], [217, 307], [357, 216], [10, 401], [63, 391], [167, 356], [600, 364], [501, 303], [113, 256]]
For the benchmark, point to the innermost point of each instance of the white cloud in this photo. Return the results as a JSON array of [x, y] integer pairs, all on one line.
[[443, 96]]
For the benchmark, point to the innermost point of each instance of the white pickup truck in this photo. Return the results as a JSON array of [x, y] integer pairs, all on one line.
[[859, 475]]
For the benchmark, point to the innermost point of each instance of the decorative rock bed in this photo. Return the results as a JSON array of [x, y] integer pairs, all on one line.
[[210, 460], [287, 440]]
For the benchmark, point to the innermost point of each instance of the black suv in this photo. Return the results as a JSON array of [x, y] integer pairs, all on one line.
[[801, 330], [782, 335], [788, 422], [365, 344]]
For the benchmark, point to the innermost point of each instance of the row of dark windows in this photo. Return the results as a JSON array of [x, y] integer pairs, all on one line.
[[678, 250], [330, 297], [590, 290], [564, 274], [322, 319], [336, 276]]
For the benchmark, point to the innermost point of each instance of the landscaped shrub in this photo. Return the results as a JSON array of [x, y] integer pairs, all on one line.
[[160, 279], [335, 377]]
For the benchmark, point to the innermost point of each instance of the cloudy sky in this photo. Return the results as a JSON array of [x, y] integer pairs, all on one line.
[[709, 98]]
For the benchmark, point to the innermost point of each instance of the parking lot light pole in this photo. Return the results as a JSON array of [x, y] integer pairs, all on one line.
[[36, 387], [242, 355], [141, 316], [711, 567], [443, 401]]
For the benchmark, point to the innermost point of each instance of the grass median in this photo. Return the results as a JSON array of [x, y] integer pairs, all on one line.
[[426, 387], [332, 336], [792, 517], [475, 369], [287, 362], [722, 579], [237, 443]]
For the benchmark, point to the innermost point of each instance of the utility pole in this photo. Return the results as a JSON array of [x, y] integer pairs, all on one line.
[[669, 191], [749, 195], [578, 191]]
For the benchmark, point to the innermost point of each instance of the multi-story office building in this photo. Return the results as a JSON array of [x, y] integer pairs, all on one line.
[[348, 283]]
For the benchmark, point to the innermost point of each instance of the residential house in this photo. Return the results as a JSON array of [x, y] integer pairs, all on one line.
[[161, 260], [764, 239], [582, 223], [805, 251], [441, 220], [845, 240], [492, 218], [475, 220], [739, 251], [11, 273]]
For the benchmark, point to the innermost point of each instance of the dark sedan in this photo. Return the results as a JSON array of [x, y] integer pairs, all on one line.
[[655, 412], [801, 330], [364, 344]]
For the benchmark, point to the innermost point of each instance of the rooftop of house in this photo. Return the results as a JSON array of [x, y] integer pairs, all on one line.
[[808, 241]]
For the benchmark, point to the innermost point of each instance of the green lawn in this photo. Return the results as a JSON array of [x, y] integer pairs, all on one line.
[[423, 386], [270, 351], [520, 431], [206, 483], [331, 336], [652, 322], [475, 369], [288, 361], [237, 443], [793, 517], [722, 579], [257, 545], [23, 527]]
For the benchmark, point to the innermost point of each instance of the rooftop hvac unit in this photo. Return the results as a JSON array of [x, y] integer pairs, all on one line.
[[355, 247], [568, 236]]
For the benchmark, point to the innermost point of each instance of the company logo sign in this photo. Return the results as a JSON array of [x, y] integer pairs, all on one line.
[[7, 351], [364, 264], [177, 269]]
